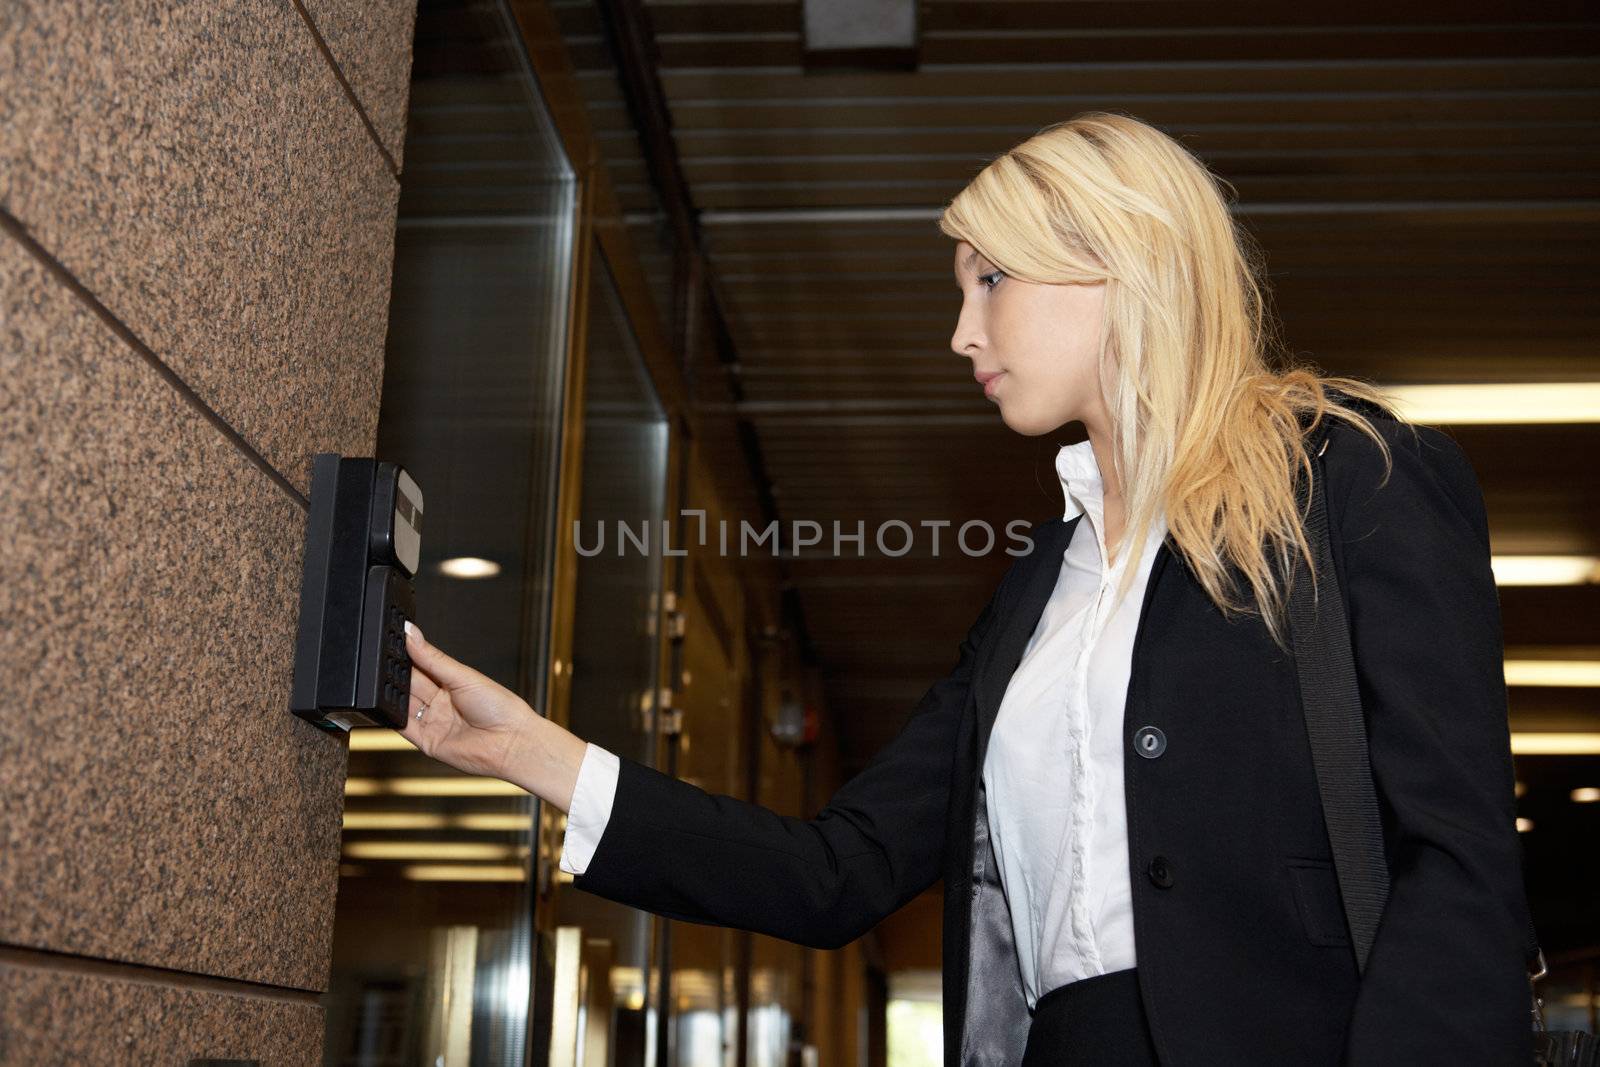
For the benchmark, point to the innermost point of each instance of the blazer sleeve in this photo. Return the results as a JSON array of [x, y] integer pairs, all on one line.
[[676, 850], [1446, 981]]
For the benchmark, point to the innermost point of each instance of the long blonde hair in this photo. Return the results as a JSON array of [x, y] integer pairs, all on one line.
[[1205, 430]]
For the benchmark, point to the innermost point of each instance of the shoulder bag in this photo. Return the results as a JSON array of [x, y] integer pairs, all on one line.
[[1337, 731]]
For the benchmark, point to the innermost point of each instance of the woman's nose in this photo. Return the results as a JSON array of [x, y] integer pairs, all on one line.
[[965, 341]]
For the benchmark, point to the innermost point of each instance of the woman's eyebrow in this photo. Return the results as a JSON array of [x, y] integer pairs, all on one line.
[[967, 263]]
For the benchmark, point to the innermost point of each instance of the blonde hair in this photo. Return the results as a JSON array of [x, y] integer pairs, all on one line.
[[1205, 430]]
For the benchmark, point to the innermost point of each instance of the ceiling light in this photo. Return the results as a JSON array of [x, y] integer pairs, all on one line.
[[1585, 794], [1546, 570], [468, 567], [428, 850], [427, 820], [393, 820], [1553, 672], [461, 872], [1499, 402], [1524, 825], [1554, 744], [430, 787], [368, 740]]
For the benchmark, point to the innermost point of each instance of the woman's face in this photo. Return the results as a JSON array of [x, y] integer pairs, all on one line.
[[1036, 345]]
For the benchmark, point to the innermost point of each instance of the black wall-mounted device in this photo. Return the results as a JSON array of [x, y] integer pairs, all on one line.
[[363, 545]]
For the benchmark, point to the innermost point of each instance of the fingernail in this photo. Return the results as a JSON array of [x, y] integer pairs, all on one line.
[[412, 631]]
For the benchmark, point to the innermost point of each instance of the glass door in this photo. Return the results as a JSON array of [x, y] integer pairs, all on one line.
[[433, 933], [615, 655]]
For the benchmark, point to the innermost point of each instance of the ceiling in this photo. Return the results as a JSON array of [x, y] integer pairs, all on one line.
[[1422, 176]]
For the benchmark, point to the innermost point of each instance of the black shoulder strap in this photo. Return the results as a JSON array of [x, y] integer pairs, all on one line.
[[1337, 730]]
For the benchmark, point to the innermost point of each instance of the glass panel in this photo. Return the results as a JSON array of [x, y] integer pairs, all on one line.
[[583, 28], [615, 650], [916, 1019], [432, 936], [777, 967], [712, 753]]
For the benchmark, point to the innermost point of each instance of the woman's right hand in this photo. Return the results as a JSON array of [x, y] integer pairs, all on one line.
[[471, 722], [477, 725]]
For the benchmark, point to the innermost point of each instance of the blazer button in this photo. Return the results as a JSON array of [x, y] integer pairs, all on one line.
[[1161, 872], [1149, 742]]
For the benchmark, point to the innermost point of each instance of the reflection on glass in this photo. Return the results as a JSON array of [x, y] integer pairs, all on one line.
[[916, 1019], [699, 1018], [615, 647], [769, 1025], [431, 959]]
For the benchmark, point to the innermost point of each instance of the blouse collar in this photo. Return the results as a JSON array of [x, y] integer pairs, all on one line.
[[1084, 491], [1081, 484]]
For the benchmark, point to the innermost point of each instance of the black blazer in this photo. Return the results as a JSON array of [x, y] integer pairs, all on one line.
[[1241, 946]]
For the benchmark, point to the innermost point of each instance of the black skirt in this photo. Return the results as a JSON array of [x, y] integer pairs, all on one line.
[[1097, 1021]]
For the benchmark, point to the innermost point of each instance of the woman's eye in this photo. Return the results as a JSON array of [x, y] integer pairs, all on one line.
[[990, 280]]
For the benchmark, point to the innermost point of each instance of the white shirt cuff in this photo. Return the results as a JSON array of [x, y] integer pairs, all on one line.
[[592, 797]]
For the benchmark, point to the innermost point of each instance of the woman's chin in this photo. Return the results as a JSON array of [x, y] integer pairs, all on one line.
[[1028, 424]]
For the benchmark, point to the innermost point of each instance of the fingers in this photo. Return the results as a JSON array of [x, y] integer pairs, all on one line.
[[424, 692], [429, 699], [412, 730], [423, 687], [447, 672], [413, 725]]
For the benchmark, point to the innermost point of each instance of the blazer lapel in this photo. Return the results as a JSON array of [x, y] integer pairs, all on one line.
[[993, 672]]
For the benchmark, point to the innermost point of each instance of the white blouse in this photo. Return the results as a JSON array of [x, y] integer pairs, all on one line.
[[1053, 771]]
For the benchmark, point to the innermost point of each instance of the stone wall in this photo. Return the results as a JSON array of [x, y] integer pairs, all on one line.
[[197, 206]]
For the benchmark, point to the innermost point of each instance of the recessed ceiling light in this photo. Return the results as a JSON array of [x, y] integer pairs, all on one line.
[[461, 872], [424, 820], [1524, 825], [1545, 570], [1499, 402], [1585, 794], [1529, 743], [463, 786], [468, 567], [1554, 672], [370, 740], [429, 850]]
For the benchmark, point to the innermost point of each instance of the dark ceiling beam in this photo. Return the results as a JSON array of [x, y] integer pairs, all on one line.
[[1572, 210], [637, 59]]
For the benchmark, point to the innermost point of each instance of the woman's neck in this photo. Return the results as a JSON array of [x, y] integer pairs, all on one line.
[[1111, 487]]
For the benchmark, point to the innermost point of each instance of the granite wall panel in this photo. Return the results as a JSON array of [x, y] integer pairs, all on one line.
[[161, 806], [367, 39], [197, 166], [64, 1018]]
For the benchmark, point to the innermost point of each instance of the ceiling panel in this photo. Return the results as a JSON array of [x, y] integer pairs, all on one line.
[[1422, 179]]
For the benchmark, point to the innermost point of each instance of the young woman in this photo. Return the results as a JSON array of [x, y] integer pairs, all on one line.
[[1114, 783]]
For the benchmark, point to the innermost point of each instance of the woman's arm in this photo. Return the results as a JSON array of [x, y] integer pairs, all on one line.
[[676, 850], [1446, 981], [672, 848]]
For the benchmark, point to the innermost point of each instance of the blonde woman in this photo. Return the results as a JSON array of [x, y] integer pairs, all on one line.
[[1114, 783]]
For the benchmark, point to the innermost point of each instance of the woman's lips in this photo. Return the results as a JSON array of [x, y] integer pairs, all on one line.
[[989, 381]]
